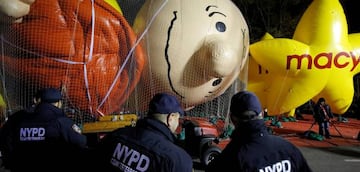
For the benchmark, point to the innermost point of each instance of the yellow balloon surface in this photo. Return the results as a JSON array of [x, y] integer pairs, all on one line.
[[2, 102], [115, 5], [196, 49], [319, 61]]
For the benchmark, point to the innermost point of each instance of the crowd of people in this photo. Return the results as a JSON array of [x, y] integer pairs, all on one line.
[[43, 138]]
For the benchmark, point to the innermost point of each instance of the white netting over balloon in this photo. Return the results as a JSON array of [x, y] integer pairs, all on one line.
[[110, 57]]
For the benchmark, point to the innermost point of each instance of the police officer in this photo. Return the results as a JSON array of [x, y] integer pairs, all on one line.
[[149, 146], [251, 147], [47, 140], [7, 130]]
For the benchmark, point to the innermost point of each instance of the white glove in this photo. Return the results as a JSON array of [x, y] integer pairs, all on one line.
[[14, 10]]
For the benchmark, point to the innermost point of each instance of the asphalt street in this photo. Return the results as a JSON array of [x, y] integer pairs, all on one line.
[[329, 159]]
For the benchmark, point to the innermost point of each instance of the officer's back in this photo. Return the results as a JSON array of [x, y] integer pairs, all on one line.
[[47, 140], [150, 145], [7, 134], [252, 147]]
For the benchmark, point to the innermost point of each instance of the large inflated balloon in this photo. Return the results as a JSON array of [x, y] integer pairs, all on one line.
[[320, 60], [260, 81], [196, 48], [87, 48]]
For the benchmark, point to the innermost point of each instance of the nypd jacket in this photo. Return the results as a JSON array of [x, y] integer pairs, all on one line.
[[253, 149], [47, 136], [7, 136], [147, 147]]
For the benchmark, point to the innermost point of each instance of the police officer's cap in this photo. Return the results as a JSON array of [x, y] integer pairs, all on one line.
[[164, 103], [245, 105], [50, 95]]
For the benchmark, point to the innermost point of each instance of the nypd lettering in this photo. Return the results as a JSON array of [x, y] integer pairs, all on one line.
[[32, 134], [129, 160], [282, 166]]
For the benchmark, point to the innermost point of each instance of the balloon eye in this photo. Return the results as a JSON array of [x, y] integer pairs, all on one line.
[[220, 26], [217, 82]]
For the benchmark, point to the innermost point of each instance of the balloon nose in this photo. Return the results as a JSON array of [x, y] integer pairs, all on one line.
[[223, 59]]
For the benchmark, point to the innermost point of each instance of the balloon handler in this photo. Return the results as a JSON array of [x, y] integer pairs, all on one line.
[[323, 117]]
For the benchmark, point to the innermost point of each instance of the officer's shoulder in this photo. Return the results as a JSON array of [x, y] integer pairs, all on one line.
[[19, 115], [64, 121], [122, 131]]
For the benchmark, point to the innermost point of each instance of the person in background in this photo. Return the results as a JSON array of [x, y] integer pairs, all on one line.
[[323, 116], [46, 139], [7, 134], [251, 147], [298, 114], [150, 145]]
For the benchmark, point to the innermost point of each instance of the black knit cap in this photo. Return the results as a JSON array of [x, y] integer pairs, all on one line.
[[245, 105]]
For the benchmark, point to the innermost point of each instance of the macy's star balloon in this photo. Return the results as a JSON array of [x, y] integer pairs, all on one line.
[[196, 48], [260, 79], [319, 61], [260, 82]]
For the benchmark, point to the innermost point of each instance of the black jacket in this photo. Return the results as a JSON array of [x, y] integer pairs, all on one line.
[[321, 115], [147, 147], [46, 140], [8, 135], [253, 149]]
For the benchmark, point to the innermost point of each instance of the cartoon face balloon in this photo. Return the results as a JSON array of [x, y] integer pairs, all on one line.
[[196, 48], [320, 60]]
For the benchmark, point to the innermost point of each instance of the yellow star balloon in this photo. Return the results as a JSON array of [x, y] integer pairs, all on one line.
[[259, 78], [260, 82], [319, 61]]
